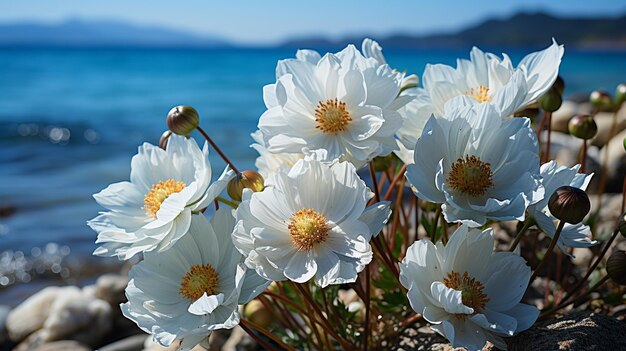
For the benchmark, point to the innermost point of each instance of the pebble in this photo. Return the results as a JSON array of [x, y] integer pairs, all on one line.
[[31, 314]]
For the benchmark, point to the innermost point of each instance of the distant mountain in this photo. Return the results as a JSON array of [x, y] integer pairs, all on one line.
[[100, 33], [521, 30]]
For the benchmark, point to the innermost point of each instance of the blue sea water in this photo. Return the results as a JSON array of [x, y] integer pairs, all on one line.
[[71, 119]]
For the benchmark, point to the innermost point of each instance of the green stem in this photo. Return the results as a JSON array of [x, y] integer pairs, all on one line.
[[518, 237], [227, 202], [548, 253]]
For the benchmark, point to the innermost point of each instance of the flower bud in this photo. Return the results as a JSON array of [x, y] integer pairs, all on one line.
[[256, 313], [551, 101], [246, 179], [569, 204], [601, 100], [559, 85], [164, 138], [620, 93], [582, 126], [182, 120], [616, 267]]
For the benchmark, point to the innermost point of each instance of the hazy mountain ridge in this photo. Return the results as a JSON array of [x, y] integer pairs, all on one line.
[[520, 30], [100, 33]]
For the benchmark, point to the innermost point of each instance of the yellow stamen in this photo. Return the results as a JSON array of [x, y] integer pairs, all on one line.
[[331, 117], [470, 176], [158, 193], [480, 94], [308, 228], [199, 280], [472, 293]]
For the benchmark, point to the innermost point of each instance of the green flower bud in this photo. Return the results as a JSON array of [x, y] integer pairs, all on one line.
[[530, 112], [569, 204], [582, 126], [182, 120], [559, 85], [616, 267], [620, 93], [601, 100], [246, 179], [551, 101], [164, 138]]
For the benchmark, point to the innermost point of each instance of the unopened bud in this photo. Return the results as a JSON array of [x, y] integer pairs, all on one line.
[[601, 100], [620, 93], [182, 120], [551, 101], [559, 85], [582, 126], [622, 225], [616, 267], [569, 204], [246, 179], [256, 313], [164, 139]]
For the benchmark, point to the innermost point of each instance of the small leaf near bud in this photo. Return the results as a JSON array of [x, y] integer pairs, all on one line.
[[569, 204], [182, 120], [616, 267], [582, 126], [246, 179]]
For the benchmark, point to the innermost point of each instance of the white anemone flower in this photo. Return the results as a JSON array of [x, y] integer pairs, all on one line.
[[343, 106], [268, 162], [466, 291], [477, 165], [310, 222], [193, 288], [415, 114], [153, 210], [486, 78], [553, 177]]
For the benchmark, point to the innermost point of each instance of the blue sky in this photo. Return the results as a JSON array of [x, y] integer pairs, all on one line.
[[270, 21]]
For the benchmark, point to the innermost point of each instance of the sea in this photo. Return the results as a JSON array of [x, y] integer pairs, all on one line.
[[71, 119]]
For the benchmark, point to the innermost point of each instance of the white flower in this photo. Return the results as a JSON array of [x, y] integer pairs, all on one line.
[[478, 166], [153, 210], [554, 176], [486, 78], [371, 49], [467, 292], [312, 221], [269, 162], [415, 114], [193, 288], [343, 106]]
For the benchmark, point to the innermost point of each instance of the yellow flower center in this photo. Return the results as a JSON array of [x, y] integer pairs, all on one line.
[[480, 94], [158, 193], [199, 280], [472, 293], [307, 228], [331, 117], [470, 176]]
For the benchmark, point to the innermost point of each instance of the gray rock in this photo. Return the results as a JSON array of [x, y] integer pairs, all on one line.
[[31, 314], [110, 288], [578, 331], [131, 343], [604, 121], [616, 163], [64, 345]]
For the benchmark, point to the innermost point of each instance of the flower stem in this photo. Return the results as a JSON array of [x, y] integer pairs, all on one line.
[[217, 149], [246, 326], [595, 264], [527, 224], [374, 181], [227, 202], [548, 253]]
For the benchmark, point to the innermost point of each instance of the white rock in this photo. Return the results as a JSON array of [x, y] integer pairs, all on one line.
[[110, 288], [561, 117], [31, 314], [77, 316], [604, 121]]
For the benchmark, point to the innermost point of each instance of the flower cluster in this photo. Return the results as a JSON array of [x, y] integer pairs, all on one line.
[[308, 217]]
